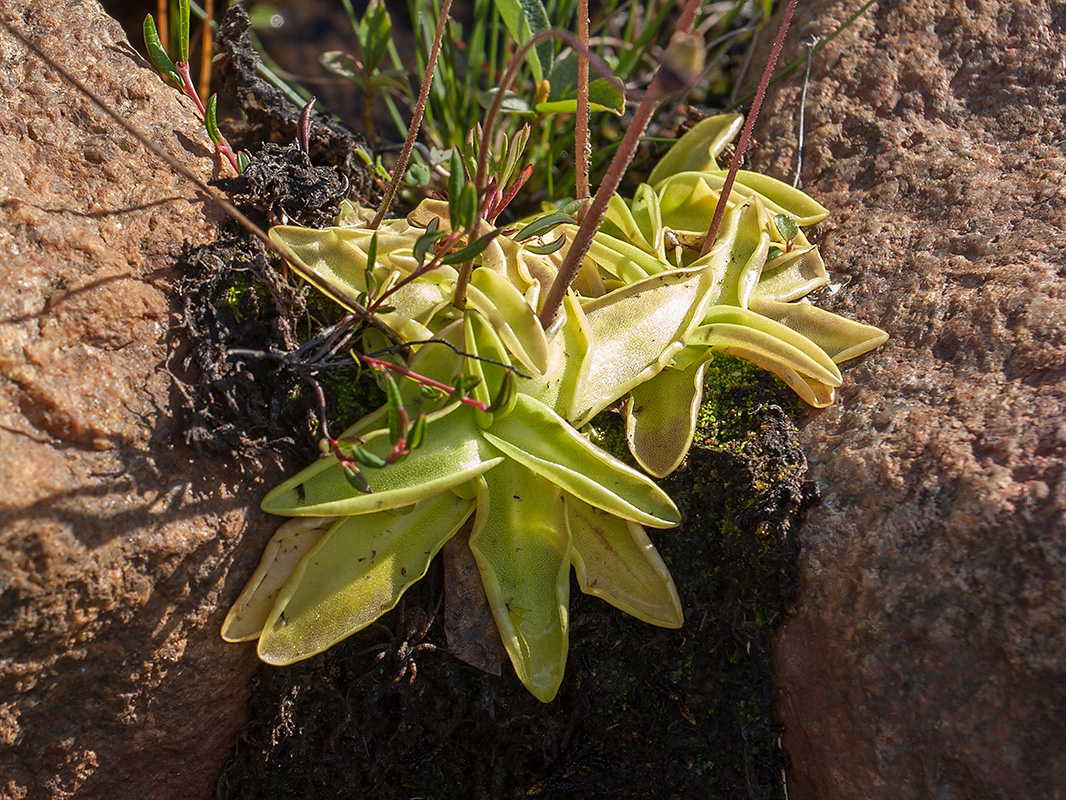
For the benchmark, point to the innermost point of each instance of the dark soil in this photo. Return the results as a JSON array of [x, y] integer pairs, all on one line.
[[643, 712]]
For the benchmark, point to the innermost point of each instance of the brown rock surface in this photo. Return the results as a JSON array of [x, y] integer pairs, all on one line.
[[927, 656], [115, 545]]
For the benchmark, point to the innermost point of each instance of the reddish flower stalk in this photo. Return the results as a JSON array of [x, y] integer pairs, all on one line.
[[416, 121], [597, 210], [745, 134]]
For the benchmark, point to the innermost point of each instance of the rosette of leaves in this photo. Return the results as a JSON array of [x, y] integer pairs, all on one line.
[[539, 496], [652, 312], [758, 309]]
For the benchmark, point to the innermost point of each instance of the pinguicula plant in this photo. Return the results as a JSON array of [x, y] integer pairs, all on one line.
[[498, 344]]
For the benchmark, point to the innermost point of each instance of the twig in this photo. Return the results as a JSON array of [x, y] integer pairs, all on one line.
[[803, 108]]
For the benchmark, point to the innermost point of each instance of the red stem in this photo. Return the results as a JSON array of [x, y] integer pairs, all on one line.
[[745, 135], [416, 121], [377, 363]]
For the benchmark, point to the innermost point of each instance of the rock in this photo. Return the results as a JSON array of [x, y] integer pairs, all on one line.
[[927, 654], [117, 545]]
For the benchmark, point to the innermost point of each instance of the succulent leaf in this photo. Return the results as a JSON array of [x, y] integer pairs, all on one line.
[[791, 276], [810, 359], [541, 441], [840, 338], [355, 573], [522, 547], [698, 149], [661, 417], [636, 330], [287, 547], [452, 454], [567, 361], [504, 307], [615, 561]]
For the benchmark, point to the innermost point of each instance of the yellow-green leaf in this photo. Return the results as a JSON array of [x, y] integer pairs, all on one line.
[[540, 440], [290, 543], [698, 149], [636, 330], [522, 547], [840, 338], [661, 418], [356, 573], [614, 560], [453, 453], [791, 276], [507, 311]]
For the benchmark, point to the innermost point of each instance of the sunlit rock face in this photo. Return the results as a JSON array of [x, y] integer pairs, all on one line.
[[925, 657], [115, 545]]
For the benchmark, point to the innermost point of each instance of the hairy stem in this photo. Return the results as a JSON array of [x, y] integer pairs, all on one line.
[[582, 146], [598, 208], [745, 135], [490, 124], [416, 120]]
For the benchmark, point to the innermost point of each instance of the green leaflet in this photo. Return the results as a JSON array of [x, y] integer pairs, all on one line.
[[605, 94], [540, 440], [522, 547], [661, 417], [158, 53], [287, 547], [524, 19], [453, 453], [614, 560], [357, 572]]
